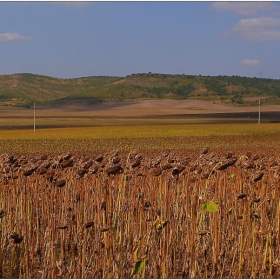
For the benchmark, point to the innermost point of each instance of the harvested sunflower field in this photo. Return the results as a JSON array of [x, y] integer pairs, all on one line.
[[176, 206]]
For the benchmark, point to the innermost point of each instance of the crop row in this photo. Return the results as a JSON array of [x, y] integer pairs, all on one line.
[[120, 214], [87, 145]]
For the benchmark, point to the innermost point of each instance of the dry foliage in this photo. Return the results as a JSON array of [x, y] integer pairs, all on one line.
[[140, 214]]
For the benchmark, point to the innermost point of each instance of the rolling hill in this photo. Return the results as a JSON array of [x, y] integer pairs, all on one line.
[[24, 89]]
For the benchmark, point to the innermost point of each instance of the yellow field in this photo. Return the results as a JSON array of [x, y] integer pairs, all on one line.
[[152, 137]]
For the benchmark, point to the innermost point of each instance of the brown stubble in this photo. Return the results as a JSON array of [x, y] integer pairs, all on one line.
[[102, 225]]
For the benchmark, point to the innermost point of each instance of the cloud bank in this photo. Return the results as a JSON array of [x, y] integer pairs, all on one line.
[[258, 29], [252, 62], [244, 8], [6, 37], [262, 28]]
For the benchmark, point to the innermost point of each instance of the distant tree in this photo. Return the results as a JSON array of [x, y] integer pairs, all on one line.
[[185, 90]]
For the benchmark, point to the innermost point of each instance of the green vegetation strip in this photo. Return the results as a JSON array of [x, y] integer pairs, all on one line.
[[48, 90]]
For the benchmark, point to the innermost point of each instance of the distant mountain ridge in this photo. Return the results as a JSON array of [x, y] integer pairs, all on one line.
[[24, 89]]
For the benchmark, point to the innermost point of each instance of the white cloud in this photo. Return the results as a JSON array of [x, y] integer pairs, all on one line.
[[258, 29], [244, 8], [255, 23], [253, 62], [6, 37], [262, 35]]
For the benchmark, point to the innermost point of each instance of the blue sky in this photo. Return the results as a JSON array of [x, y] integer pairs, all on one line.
[[78, 39]]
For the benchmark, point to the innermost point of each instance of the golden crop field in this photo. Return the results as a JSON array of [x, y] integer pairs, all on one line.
[[142, 137], [162, 201]]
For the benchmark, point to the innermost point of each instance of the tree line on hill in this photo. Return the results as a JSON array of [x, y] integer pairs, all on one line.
[[25, 88]]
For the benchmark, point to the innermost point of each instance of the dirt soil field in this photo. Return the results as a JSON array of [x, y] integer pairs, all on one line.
[[158, 110], [162, 107], [139, 108]]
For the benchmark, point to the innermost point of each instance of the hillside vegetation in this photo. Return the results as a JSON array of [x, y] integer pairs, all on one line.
[[24, 89]]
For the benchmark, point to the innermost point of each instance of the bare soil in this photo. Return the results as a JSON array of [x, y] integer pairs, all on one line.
[[144, 109]]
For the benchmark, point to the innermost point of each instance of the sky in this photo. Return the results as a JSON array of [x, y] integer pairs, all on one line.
[[80, 39]]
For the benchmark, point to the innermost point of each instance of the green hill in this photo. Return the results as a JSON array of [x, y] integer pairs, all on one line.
[[24, 89]]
